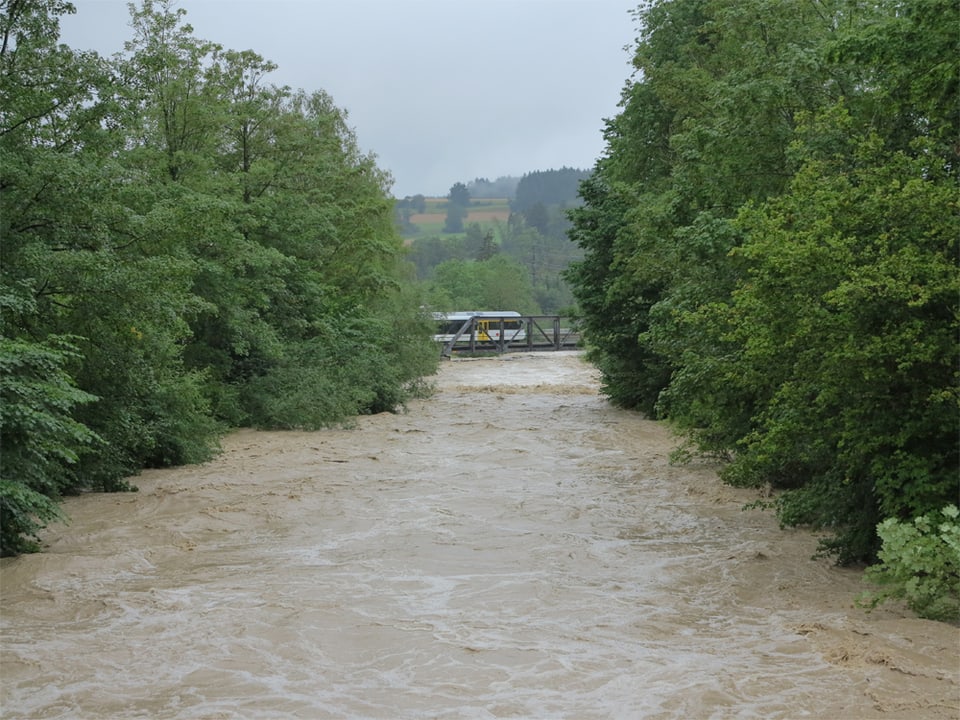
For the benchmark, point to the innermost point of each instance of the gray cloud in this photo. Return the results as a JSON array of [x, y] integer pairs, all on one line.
[[440, 90]]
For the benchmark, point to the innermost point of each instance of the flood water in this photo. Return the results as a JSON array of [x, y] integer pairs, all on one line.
[[512, 547]]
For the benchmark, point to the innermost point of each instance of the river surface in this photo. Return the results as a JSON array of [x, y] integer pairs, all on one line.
[[513, 547]]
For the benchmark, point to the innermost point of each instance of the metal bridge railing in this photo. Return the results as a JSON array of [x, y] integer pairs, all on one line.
[[540, 332]]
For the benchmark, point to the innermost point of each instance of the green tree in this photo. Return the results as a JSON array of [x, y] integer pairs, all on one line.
[[163, 74], [75, 237], [498, 283], [427, 253], [769, 250], [453, 223], [458, 201], [488, 247], [614, 313], [459, 195], [41, 440], [506, 286], [177, 326], [298, 239], [862, 417]]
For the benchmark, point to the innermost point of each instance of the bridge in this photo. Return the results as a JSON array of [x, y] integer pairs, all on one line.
[[501, 334]]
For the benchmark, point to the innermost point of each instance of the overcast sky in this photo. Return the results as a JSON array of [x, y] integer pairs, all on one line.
[[440, 90]]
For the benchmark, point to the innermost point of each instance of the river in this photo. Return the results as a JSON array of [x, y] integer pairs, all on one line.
[[512, 547]]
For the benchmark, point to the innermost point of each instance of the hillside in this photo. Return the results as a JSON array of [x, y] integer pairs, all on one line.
[[430, 223]]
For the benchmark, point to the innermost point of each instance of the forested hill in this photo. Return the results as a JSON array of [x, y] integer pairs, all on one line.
[[185, 247], [771, 262]]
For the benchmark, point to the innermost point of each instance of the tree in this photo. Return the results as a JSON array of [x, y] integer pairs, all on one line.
[[769, 250], [505, 285], [861, 423], [41, 440], [614, 314], [110, 288], [473, 240], [458, 199], [454, 220], [459, 195], [498, 283], [404, 212], [427, 253], [488, 247], [163, 74], [75, 226]]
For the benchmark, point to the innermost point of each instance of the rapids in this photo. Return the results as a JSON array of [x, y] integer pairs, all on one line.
[[513, 547]]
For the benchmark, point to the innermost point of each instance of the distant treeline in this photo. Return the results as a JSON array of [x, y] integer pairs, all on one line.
[[185, 248], [549, 187], [771, 262], [503, 187]]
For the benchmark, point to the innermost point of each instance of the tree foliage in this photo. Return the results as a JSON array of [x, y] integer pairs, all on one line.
[[458, 202], [920, 563], [217, 248], [41, 440], [495, 283], [770, 249]]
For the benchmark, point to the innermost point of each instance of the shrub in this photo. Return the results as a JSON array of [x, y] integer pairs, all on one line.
[[920, 563], [38, 436]]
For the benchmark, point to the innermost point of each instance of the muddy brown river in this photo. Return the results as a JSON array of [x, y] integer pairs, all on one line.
[[512, 547]]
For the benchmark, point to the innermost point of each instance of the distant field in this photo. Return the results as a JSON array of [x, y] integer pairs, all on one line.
[[480, 215], [484, 211]]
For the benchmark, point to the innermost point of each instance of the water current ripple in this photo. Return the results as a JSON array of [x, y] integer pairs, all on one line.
[[511, 548]]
